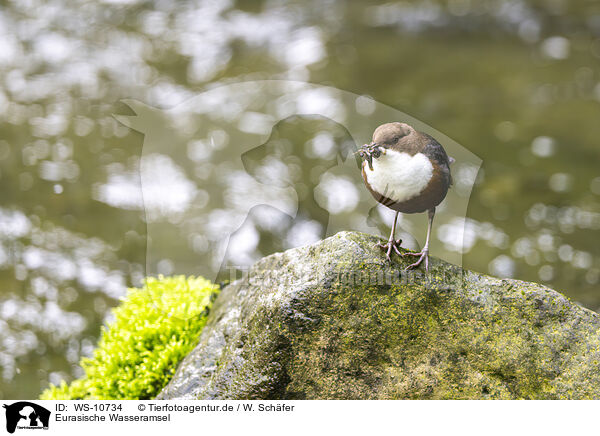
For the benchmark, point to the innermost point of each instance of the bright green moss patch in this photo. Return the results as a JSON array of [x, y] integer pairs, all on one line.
[[153, 329]]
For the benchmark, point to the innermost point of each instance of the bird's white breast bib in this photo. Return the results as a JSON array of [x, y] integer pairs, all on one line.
[[399, 176]]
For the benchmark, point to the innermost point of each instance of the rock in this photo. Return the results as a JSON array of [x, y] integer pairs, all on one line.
[[335, 320]]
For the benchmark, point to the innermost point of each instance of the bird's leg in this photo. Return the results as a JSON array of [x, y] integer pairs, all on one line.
[[424, 254], [392, 243]]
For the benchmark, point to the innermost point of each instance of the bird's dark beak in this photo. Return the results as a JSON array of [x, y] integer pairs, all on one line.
[[371, 145], [374, 144], [380, 146], [365, 147]]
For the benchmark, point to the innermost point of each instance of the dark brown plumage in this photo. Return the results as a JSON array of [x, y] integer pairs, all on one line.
[[409, 172]]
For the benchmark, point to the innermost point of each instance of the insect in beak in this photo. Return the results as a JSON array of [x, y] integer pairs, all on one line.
[[369, 151]]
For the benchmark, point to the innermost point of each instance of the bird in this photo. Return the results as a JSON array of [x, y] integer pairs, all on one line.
[[409, 172]]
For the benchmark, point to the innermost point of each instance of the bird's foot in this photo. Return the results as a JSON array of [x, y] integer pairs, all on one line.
[[392, 244], [423, 255]]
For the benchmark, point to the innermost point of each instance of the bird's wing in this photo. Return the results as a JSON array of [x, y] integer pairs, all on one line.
[[435, 152]]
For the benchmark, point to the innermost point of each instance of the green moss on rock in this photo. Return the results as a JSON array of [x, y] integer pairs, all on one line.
[[153, 329], [336, 320]]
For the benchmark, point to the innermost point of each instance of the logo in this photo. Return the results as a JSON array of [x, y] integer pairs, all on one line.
[[267, 160], [26, 415]]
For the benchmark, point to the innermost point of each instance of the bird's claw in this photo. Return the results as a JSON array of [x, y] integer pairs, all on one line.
[[392, 244], [424, 255]]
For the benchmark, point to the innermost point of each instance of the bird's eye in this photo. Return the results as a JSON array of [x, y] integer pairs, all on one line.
[[396, 138]]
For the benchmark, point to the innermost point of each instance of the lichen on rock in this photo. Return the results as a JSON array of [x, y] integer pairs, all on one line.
[[336, 320]]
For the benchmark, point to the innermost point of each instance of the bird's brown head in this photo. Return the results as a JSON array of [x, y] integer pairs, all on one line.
[[389, 134]]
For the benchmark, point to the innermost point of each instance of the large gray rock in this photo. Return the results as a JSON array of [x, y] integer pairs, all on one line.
[[336, 320]]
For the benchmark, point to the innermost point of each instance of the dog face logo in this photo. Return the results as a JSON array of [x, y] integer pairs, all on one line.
[[26, 415], [225, 171]]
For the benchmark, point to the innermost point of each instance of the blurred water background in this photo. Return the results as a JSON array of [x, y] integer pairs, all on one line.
[[515, 82]]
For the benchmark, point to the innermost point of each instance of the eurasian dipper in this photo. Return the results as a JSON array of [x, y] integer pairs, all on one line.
[[409, 172]]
